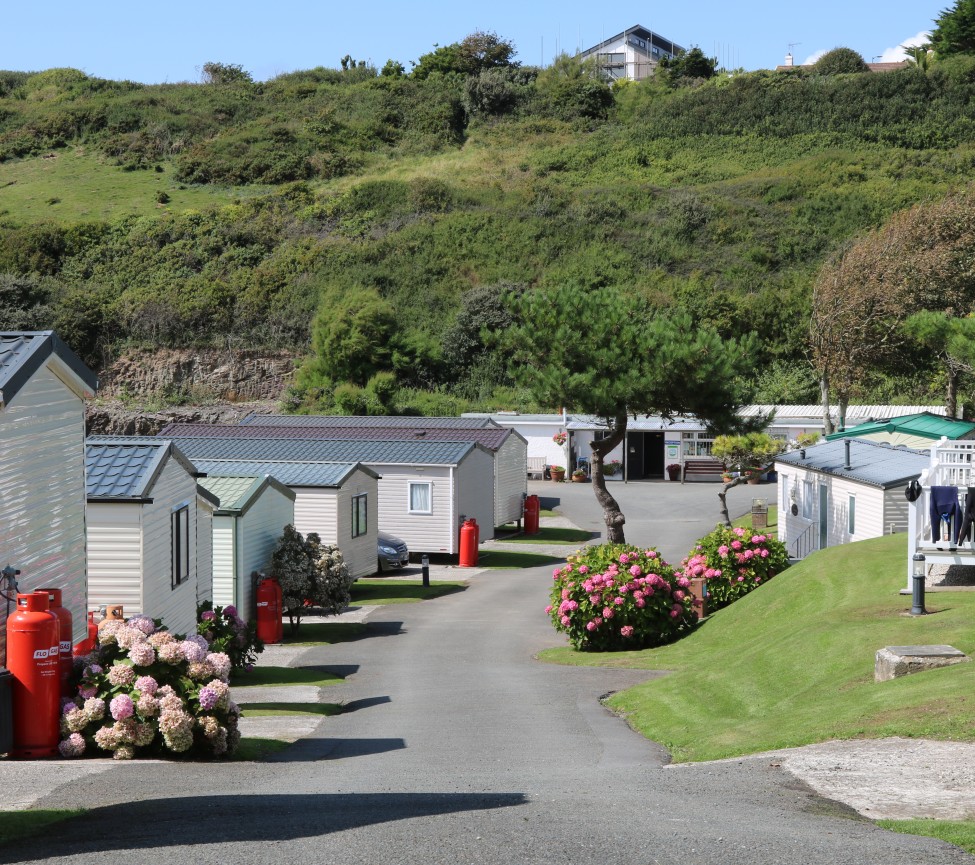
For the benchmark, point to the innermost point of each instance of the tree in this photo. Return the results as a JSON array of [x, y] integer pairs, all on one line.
[[393, 69], [840, 61], [607, 353], [575, 88], [743, 453], [689, 65], [225, 73], [476, 52], [954, 31], [952, 341]]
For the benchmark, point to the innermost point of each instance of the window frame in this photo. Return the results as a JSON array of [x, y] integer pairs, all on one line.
[[851, 514], [179, 533], [808, 500], [409, 497], [360, 515]]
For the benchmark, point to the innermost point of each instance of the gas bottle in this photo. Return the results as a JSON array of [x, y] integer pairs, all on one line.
[[33, 658], [532, 510], [65, 630], [468, 544], [87, 645], [269, 626]]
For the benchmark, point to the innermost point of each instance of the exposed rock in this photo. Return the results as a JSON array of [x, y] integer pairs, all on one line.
[[894, 661], [113, 418]]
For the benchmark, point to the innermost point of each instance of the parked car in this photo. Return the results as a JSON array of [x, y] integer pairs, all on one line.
[[393, 553]]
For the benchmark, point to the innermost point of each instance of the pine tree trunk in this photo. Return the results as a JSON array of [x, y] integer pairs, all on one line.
[[824, 393], [722, 496], [612, 515]]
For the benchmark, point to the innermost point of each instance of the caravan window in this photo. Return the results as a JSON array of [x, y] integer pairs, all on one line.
[[421, 497]]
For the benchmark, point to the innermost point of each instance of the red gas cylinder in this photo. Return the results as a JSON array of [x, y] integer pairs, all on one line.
[[279, 620], [33, 658], [87, 645], [532, 510], [468, 544], [269, 625], [65, 630]]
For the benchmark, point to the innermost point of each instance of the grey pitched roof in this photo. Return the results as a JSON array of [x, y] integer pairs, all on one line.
[[873, 463], [309, 450], [405, 421], [117, 467], [22, 353], [492, 438], [235, 494], [291, 474]]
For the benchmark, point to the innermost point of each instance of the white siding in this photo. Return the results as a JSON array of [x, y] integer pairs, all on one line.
[[204, 550], [474, 481], [224, 530], [257, 533], [896, 508], [435, 532], [361, 552], [115, 555], [315, 511], [510, 480], [42, 493], [175, 606]]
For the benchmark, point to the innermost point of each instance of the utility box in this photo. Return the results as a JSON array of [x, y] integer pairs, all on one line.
[[759, 513]]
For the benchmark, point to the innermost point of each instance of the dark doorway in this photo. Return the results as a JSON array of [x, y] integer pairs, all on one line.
[[645, 455]]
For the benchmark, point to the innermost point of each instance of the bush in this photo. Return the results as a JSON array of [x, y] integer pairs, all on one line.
[[734, 562], [145, 691], [227, 632], [615, 597]]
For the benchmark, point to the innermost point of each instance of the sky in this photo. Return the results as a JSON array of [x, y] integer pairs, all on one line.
[[170, 42]]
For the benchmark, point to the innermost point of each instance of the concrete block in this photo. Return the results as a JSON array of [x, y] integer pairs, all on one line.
[[895, 661]]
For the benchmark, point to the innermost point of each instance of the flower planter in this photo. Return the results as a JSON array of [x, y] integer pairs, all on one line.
[[579, 479], [558, 477]]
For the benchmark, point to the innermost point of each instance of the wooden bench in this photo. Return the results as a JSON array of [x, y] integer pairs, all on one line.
[[536, 467], [703, 471]]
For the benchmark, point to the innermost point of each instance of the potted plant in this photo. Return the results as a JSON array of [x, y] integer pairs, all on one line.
[[578, 476], [613, 467], [673, 471], [556, 473]]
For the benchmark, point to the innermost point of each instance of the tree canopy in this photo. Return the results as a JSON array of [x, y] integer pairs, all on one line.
[[954, 31], [689, 65], [607, 353], [840, 61], [473, 54]]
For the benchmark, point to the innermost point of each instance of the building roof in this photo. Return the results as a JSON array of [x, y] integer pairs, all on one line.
[[873, 67], [924, 425], [490, 437], [876, 464], [23, 353], [309, 450], [236, 493], [643, 33], [291, 474], [120, 468], [813, 413], [405, 421]]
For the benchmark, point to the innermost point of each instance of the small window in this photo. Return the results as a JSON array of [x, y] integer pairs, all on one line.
[[421, 497], [852, 515], [359, 515], [784, 486], [180, 527], [807, 500]]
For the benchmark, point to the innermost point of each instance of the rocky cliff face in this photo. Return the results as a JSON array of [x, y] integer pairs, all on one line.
[[145, 390]]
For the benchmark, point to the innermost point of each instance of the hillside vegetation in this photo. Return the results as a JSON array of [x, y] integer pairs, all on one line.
[[378, 219]]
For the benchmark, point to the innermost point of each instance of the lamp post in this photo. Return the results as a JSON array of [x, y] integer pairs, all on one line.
[[919, 574]]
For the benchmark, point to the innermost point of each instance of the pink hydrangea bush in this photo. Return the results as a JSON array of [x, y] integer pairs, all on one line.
[[227, 632], [616, 597], [734, 562], [145, 691]]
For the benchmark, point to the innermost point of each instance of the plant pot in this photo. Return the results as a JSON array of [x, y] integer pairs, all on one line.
[[581, 479], [754, 480], [558, 477]]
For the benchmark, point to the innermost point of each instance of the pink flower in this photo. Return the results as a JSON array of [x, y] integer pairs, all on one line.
[[741, 579], [122, 707], [651, 554], [722, 550], [678, 595], [565, 594], [626, 631], [565, 621], [736, 545], [591, 626], [740, 532], [635, 570], [594, 599], [548, 609], [624, 559], [583, 569], [764, 554], [641, 603], [208, 616]]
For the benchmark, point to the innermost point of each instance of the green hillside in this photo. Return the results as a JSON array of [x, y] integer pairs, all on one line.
[[231, 213]]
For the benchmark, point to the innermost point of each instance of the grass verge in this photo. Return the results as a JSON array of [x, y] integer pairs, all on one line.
[[255, 710], [792, 663], [25, 824], [283, 676], [400, 591], [504, 559], [773, 521], [256, 749], [552, 535], [961, 833]]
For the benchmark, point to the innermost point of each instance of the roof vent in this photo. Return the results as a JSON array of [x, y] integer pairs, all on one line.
[[802, 454], [846, 448], [420, 433]]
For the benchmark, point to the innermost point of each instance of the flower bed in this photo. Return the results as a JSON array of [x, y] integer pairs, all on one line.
[[734, 562], [614, 596], [145, 691]]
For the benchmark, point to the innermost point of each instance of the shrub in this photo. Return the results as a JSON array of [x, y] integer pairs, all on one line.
[[227, 632], [145, 691], [734, 562], [840, 61], [614, 596]]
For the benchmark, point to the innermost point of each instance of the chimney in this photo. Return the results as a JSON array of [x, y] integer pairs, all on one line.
[[846, 448], [789, 60]]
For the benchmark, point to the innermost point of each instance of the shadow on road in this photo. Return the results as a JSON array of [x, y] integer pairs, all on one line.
[[210, 820]]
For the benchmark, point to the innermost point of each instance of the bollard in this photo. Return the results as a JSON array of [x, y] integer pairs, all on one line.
[[919, 575], [425, 570]]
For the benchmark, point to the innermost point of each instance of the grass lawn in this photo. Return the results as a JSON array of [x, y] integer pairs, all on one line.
[[283, 676], [24, 824], [792, 663], [552, 535], [255, 749], [382, 591], [255, 710], [773, 521], [961, 833], [504, 559]]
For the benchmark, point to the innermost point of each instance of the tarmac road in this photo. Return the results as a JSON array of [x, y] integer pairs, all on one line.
[[458, 747]]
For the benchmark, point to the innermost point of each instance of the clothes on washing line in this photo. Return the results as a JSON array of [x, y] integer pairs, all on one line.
[[945, 515], [968, 518]]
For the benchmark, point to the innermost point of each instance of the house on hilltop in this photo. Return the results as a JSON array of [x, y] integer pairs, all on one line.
[[632, 54]]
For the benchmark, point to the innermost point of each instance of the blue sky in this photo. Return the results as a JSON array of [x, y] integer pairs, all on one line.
[[170, 41]]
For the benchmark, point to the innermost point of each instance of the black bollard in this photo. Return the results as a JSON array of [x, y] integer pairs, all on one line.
[[425, 570], [918, 574]]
